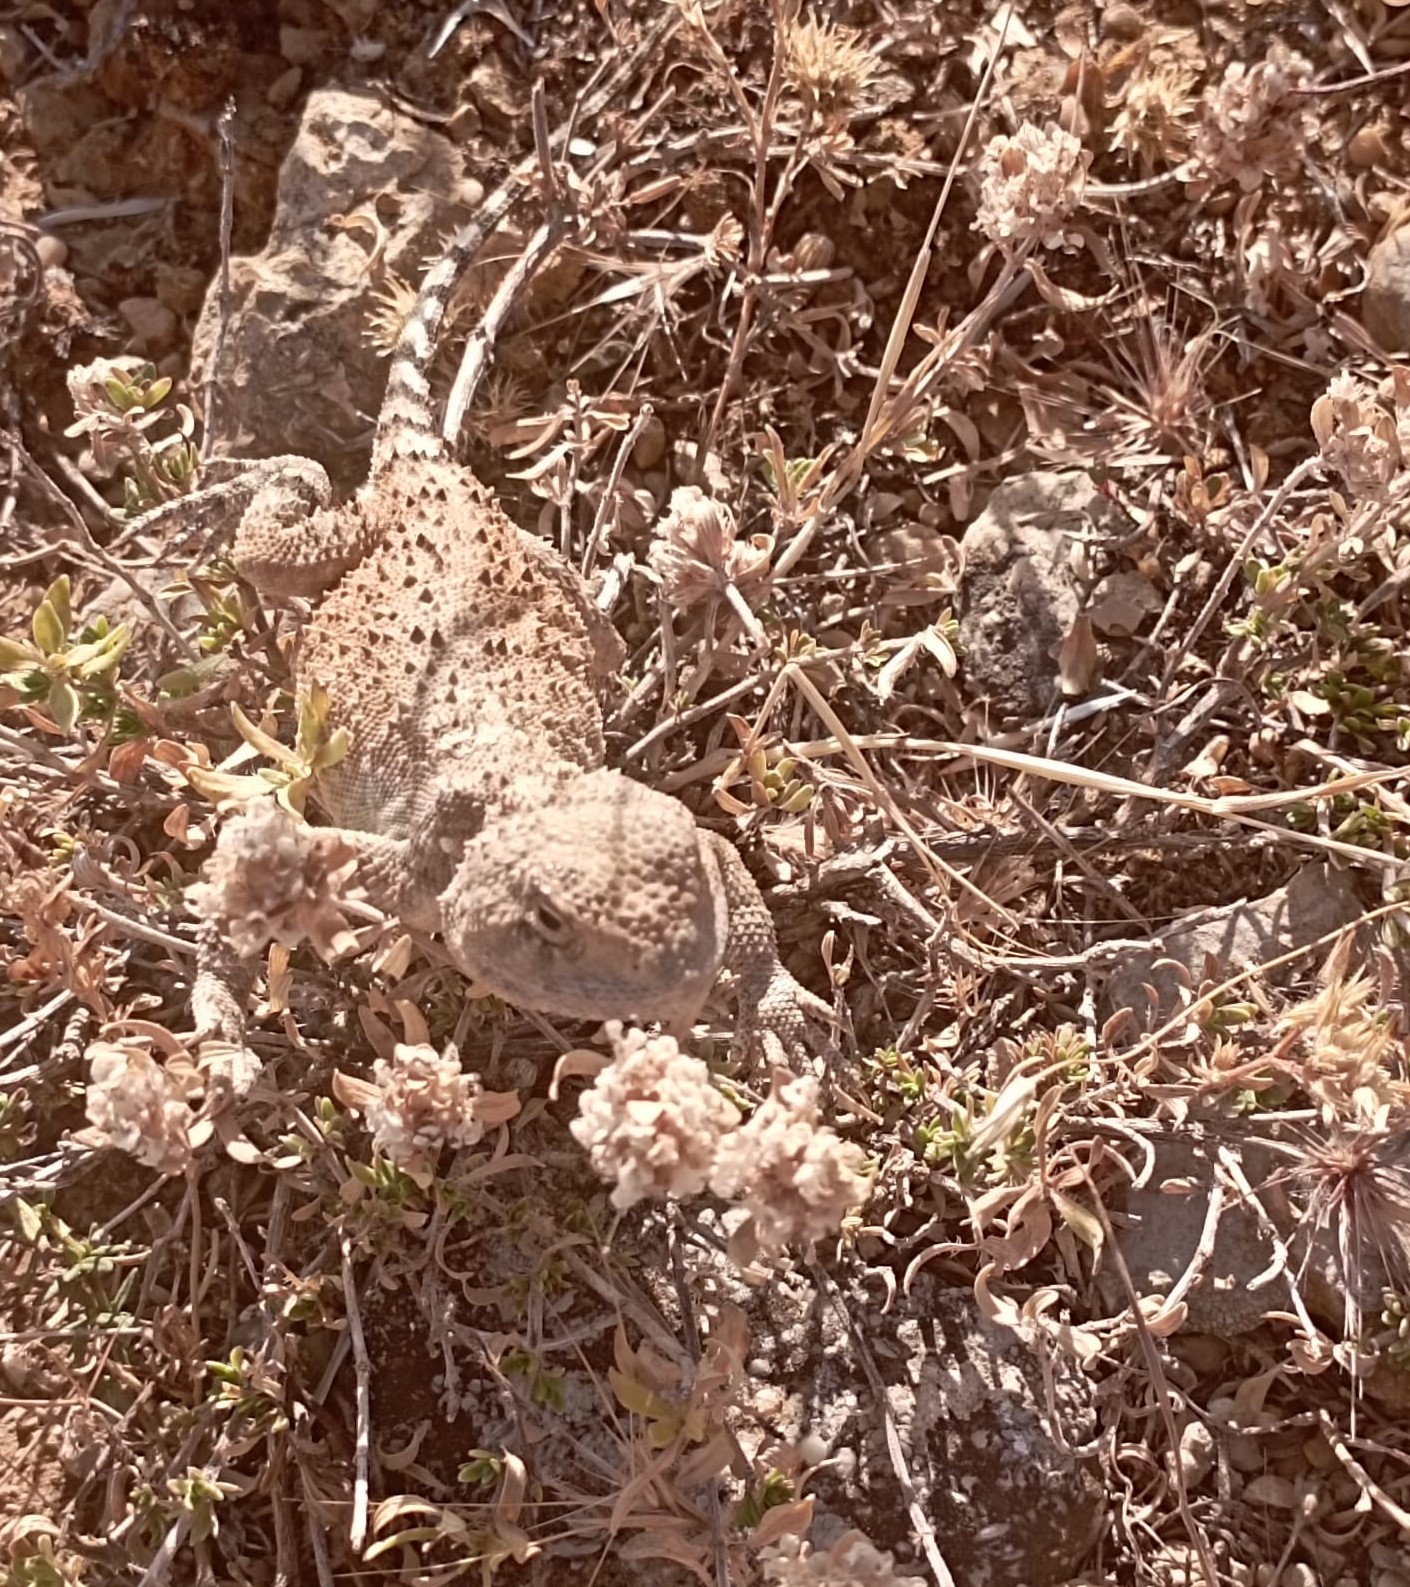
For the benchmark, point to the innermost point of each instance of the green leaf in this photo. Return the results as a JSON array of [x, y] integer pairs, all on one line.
[[1085, 1225], [119, 394], [48, 631], [63, 704], [156, 391], [16, 656], [59, 596], [29, 1218], [99, 655]]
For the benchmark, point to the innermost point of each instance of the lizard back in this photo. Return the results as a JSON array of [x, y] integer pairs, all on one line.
[[450, 645]]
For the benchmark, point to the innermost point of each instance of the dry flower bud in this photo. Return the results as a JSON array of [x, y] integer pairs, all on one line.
[[1252, 129], [653, 1119], [272, 878], [1357, 437], [797, 1178], [1031, 183], [830, 66], [695, 553]]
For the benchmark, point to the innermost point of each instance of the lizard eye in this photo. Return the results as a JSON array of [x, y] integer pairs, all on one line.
[[547, 921]]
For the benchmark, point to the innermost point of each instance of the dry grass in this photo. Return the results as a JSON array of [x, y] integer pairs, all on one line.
[[840, 281]]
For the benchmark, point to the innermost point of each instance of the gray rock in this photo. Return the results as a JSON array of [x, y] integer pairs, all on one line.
[[1318, 900], [1158, 1230], [300, 371], [1010, 1505], [1019, 594], [1385, 301]]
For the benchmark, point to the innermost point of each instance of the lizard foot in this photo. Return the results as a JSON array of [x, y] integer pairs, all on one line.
[[776, 1014], [783, 1022]]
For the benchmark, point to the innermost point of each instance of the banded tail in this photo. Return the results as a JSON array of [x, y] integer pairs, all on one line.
[[407, 426]]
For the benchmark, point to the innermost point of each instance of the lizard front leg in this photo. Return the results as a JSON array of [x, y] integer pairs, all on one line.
[[214, 512], [772, 1007]]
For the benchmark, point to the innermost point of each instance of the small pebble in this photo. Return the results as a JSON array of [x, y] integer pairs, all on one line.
[[1368, 147], [814, 251], [1298, 1575], [284, 90], [650, 446], [1385, 302], [52, 251], [150, 321], [1270, 1489]]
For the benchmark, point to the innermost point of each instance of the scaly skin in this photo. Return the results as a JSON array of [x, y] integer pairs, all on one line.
[[463, 656]]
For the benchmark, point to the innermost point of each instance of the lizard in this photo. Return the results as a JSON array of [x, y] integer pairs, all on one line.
[[463, 656]]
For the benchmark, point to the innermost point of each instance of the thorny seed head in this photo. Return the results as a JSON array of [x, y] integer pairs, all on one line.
[[1168, 377], [1358, 1183], [830, 67], [1154, 124], [1030, 184], [389, 308]]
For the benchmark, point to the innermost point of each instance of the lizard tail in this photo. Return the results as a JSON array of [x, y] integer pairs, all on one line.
[[407, 425]]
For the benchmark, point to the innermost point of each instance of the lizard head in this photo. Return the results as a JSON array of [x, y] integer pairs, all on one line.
[[603, 904]]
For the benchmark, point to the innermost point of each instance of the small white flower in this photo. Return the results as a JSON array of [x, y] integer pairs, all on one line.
[[653, 1119], [1030, 184], [135, 1105], [797, 1178]]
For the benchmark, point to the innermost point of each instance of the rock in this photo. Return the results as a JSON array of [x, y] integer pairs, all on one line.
[[1159, 1229], [1020, 595], [300, 371], [303, 46], [180, 287], [151, 322], [1011, 1507], [1315, 902], [1385, 300]]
